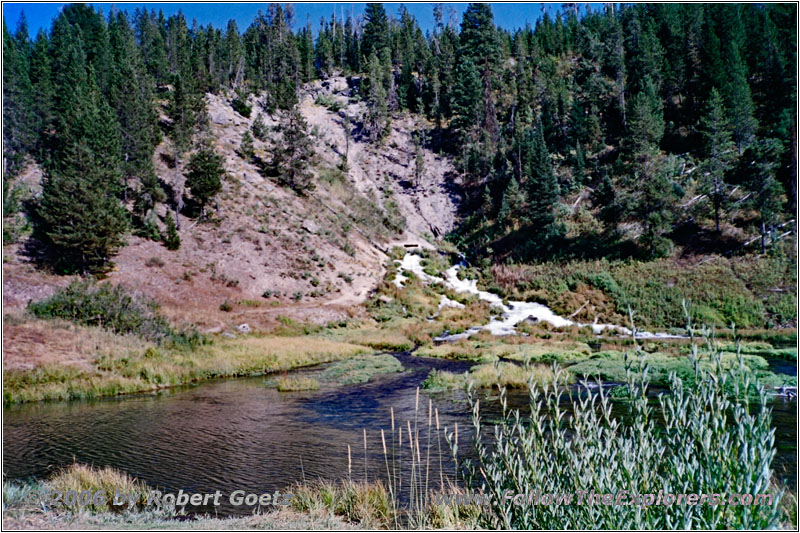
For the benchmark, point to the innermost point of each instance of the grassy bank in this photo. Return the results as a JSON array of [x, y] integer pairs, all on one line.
[[21, 510], [121, 367], [313, 505]]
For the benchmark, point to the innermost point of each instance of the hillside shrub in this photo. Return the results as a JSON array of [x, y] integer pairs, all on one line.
[[241, 106], [111, 307]]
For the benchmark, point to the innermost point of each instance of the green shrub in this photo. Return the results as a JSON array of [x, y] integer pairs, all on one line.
[[108, 306], [326, 100], [241, 106], [712, 442], [171, 238]]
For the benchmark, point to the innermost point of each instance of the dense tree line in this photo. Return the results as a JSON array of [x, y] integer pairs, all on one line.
[[650, 116]]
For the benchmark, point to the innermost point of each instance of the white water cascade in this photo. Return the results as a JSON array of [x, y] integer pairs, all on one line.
[[513, 313]]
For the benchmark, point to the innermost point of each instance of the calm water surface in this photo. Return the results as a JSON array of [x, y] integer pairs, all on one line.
[[240, 434]]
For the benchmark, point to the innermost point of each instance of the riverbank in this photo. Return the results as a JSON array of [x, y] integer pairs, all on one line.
[[88, 341], [90, 362], [98, 363], [312, 505]]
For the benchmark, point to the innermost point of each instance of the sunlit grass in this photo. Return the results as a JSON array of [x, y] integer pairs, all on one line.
[[486, 376], [296, 383], [159, 367]]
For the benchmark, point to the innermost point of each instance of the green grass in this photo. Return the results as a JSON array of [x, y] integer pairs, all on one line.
[[360, 369], [739, 290], [486, 376], [296, 383], [160, 367], [610, 366]]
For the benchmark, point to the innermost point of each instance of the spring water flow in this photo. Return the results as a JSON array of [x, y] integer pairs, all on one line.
[[512, 314]]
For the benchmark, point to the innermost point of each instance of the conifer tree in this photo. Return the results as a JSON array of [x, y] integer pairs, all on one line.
[[541, 185], [376, 121], [204, 176], [376, 30], [719, 151], [259, 128], [19, 128], [171, 237], [79, 214], [293, 153], [738, 98], [466, 98]]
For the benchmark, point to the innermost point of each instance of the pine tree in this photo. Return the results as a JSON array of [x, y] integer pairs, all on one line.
[[131, 95], [719, 151], [171, 238], [79, 214], [512, 205], [376, 31], [376, 121], [479, 40], [204, 176], [246, 150], [646, 121], [19, 128], [541, 185], [43, 93], [182, 111], [466, 99], [738, 98], [259, 128], [79, 218], [294, 152]]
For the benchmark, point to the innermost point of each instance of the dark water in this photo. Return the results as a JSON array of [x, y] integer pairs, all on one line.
[[240, 434]]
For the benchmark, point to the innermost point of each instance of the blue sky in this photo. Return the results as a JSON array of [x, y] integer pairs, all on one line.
[[510, 16]]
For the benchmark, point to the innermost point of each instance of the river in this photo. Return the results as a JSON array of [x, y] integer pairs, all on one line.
[[240, 434]]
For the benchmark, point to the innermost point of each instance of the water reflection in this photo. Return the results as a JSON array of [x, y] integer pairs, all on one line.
[[240, 434]]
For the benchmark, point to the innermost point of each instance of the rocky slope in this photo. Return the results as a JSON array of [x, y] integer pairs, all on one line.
[[267, 251]]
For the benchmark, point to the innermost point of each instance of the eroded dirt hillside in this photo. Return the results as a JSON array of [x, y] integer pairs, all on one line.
[[266, 251]]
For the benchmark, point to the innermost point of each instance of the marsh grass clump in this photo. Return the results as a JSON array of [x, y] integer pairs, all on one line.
[[361, 369], [296, 383], [80, 478], [716, 439], [486, 376], [366, 503]]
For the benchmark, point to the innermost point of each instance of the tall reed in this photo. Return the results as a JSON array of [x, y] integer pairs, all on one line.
[[714, 438]]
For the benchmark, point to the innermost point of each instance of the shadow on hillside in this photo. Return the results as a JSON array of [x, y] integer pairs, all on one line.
[[697, 240]]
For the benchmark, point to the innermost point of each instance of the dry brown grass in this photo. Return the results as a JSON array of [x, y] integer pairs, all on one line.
[[127, 368], [79, 478], [30, 342]]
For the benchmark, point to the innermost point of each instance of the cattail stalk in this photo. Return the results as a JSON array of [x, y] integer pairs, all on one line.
[[439, 442], [365, 456]]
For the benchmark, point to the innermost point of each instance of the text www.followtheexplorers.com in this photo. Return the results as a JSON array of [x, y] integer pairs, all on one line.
[[624, 497]]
